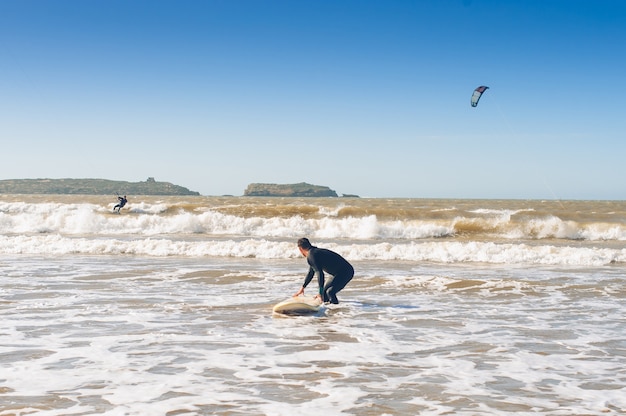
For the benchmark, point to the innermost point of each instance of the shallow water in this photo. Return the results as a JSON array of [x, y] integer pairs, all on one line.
[[136, 335]]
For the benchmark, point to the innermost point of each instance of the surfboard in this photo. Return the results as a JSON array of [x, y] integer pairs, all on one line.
[[298, 305]]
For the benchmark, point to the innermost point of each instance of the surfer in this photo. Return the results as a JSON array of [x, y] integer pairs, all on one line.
[[323, 261], [121, 204]]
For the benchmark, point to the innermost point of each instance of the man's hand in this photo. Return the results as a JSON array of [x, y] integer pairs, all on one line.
[[300, 292]]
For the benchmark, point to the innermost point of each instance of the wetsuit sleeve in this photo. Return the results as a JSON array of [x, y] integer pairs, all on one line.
[[309, 277], [314, 261], [320, 281]]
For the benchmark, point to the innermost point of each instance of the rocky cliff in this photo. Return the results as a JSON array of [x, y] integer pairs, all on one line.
[[293, 190]]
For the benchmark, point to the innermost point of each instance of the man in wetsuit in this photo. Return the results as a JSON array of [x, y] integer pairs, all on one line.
[[323, 261], [121, 204]]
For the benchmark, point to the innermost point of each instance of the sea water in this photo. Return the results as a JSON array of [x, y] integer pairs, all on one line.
[[468, 307]]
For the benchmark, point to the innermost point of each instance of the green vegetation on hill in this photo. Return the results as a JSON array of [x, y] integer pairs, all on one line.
[[91, 187]]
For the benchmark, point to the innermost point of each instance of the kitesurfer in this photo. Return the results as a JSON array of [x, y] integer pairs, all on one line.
[[121, 204], [322, 261]]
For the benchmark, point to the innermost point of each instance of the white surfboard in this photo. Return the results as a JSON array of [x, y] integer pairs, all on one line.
[[298, 305]]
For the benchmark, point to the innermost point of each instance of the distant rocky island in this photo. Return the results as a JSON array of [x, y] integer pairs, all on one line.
[[301, 189], [152, 187], [91, 187]]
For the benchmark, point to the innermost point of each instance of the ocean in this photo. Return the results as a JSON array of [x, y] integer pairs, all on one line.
[[464, 307]]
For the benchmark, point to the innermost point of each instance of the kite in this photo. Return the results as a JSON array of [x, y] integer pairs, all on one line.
[[476, 95]]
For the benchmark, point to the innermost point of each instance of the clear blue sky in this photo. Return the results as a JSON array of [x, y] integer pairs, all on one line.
[[366, 97]]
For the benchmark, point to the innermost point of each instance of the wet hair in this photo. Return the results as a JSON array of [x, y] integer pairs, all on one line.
[[304, 243]]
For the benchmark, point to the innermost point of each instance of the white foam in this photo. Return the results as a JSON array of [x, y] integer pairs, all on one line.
[[148, 336], [442, 252], [159, 218]]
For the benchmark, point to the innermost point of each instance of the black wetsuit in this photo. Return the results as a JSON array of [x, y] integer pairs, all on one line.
[[323, 261], [121, 204]]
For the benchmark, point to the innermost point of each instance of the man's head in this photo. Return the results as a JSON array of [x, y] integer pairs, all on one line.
[[304, 245]]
